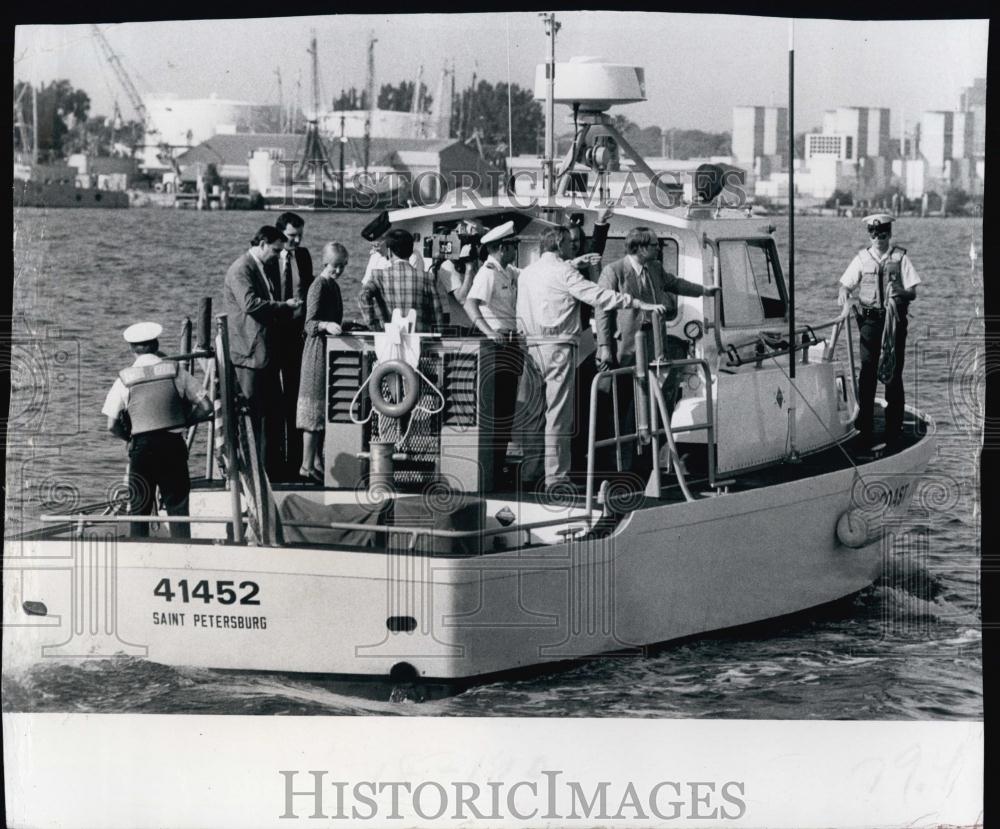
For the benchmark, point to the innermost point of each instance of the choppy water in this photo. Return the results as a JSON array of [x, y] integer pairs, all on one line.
[[909, 647]]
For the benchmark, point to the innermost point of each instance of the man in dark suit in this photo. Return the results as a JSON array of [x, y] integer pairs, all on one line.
[[640, 274], [254, 311], [293, 273]]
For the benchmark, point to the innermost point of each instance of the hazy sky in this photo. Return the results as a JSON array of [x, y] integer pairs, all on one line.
[[697, 66]]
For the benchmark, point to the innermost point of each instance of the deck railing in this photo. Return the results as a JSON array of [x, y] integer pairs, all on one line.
[[651, 410]]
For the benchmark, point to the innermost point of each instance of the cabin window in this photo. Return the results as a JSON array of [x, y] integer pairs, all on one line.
[[752, 287], [615, 249]]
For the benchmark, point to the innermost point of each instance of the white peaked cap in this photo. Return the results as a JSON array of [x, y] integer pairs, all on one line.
[[498, 233], [876, 219], [142, 332]]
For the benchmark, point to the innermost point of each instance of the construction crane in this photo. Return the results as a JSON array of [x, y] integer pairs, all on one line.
[[123, 77], [22, 127], [164, 151]]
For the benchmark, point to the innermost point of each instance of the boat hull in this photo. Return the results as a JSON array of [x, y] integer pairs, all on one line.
[[667, 572]]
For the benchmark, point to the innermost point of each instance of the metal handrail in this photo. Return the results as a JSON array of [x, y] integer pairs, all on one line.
[[138, 519], [732, 349], [618, 439]]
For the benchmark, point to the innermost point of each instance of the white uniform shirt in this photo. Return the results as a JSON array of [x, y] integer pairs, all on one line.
[[449, 280], [852, 276], [117, 399], [548, 291], [496, 288]]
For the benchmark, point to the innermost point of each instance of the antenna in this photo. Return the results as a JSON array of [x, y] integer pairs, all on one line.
[[552, 26], [792, 456], [370, 86]]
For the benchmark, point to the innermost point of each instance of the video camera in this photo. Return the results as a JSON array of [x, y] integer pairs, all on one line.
[[449, 244]]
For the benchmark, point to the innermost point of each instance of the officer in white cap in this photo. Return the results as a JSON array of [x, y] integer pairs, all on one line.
[[880, 283], [492, 307], [149, 405]]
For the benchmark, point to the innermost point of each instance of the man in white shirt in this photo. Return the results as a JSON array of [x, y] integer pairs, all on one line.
[[548, 294], [149, 405], [881, 282], [453, 288], [492, 307]]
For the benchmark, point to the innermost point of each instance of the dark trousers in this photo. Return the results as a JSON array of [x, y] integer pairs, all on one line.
[[289, 358], [262, 389], [870, 347], [507, 374], [158, 459]]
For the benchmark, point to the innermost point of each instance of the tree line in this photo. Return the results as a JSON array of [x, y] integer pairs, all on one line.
[[479, 117]]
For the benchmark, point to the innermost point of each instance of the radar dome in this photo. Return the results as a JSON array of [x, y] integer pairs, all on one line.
[[593, 84]]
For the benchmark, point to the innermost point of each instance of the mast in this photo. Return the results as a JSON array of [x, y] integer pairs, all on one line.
[[459, 125], [416, 102], [34, 126], [343, 141], [314, 156], [298, 102], [370, 87], [791, 198], [281, 102], [792, 455], [313, 53], [551, 27]]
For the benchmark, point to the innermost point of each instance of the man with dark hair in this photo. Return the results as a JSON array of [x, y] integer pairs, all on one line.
[[641, 274], [294, 272], [400, 285], [255, 309], [548, 294], [149, 405]]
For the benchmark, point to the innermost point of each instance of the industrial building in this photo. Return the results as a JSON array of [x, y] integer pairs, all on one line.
[[855, 153], [266, 162], [175, 124], [760, 139]]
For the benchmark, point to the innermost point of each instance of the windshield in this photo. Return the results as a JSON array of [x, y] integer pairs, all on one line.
[[615, 249], [753, 290]]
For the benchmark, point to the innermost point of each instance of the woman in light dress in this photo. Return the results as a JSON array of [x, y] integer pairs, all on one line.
[[324, 315]]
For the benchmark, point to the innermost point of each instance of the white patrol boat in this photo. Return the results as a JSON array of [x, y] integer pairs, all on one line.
[[413, 563]]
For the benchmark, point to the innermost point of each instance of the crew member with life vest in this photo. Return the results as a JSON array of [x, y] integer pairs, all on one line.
[[149, 405], [881, 283]]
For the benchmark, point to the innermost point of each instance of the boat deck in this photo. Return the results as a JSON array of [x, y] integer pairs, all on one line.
[[622, 499]]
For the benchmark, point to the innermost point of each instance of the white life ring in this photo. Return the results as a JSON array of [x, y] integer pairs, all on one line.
[[411, 388]]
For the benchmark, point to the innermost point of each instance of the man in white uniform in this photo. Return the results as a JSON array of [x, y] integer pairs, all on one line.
[[881, 282], [548, 294], [492, 307]]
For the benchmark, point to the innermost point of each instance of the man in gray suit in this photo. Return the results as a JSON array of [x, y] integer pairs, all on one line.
[[640, 274], [254, 310]]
